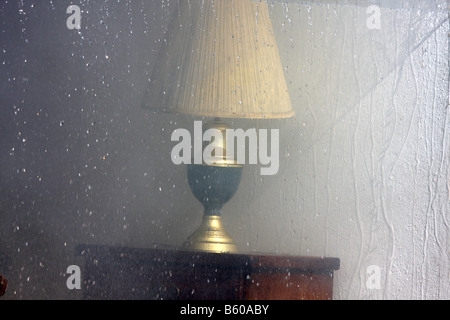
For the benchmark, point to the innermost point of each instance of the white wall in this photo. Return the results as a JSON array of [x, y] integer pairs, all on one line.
[[365, 174]]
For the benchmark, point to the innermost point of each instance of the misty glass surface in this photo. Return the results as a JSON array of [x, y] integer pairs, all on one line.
[[363, 171]]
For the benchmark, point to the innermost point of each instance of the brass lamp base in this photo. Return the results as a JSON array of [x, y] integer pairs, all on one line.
[[211, 237], [214, 185]]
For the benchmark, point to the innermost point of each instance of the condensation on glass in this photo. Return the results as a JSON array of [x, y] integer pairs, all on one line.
[[363, 167]]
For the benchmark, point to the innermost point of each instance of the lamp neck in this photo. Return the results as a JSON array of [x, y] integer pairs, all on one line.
[[213, 211]]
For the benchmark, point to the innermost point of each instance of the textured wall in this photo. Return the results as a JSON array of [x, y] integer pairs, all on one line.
[[364, 174], [366, 166]]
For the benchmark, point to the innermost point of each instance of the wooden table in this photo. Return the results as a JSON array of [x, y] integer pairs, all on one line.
[[112, 273]]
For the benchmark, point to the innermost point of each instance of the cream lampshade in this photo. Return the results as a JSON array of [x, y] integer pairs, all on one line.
[[219, 59]]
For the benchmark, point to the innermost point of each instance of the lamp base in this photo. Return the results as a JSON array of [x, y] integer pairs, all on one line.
[[211, 237], [214, 185]]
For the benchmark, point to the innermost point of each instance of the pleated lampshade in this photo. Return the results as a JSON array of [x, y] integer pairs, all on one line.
[[220, 59]]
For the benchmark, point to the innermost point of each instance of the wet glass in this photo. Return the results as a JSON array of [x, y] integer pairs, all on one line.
[[363, 167]]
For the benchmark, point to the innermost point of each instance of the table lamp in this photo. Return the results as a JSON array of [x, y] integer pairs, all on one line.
[[219, 60]]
